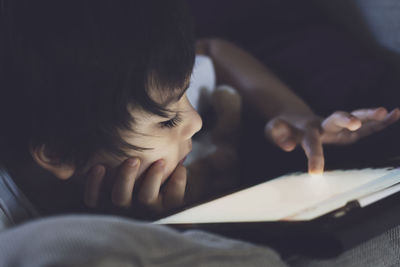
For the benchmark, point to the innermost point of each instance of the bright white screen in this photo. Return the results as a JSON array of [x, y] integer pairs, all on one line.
[[290, 197]]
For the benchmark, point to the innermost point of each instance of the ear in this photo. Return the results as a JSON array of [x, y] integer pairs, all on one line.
[[52, 164]]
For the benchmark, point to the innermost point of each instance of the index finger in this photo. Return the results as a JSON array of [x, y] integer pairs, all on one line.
[[312, 146]]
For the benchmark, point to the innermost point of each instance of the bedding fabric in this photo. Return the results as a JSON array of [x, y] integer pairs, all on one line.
[[113, 241], [381, 251]]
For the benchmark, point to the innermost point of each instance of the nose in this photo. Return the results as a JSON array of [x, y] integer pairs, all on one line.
[[194, 124]]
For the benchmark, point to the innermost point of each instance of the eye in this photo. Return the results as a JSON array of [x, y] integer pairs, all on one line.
[[172, 122]]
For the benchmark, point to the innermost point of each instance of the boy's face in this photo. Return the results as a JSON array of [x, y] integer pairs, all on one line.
[[168, 138]]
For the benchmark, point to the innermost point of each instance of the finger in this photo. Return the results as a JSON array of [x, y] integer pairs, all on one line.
[[175, 188], [392, 117], [340, 120], [93, 185], [343, 137], [124, 182], [375, 126], [312, 146], [150, 188], [377, 114], [368, 128], [282, 134]]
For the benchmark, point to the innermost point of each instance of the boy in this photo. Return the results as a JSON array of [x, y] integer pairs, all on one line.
[[61, 66], [93, 95]]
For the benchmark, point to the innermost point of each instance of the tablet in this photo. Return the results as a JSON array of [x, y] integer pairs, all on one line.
[[295, 197], [316, 216]]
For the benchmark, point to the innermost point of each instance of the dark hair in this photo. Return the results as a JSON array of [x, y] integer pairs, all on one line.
[[70, 70]]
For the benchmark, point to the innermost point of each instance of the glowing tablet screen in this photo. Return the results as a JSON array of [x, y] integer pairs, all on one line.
[[297, 196]]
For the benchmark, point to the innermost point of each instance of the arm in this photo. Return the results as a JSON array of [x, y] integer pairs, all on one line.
[[254, 81], [270, 97], [289, 121]]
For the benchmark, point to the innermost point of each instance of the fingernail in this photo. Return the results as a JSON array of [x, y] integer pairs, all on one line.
[[355, 126], [133, 162], [160, 163], [288, 145]]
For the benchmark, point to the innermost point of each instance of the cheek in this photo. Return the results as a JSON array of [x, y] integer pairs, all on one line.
[[147, 160], [170, 155], [104, 159], [166, 147]]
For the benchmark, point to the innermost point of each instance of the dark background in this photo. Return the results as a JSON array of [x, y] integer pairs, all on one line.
[[320, 60]]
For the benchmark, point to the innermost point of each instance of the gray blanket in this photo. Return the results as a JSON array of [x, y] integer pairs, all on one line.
[[112, 241]]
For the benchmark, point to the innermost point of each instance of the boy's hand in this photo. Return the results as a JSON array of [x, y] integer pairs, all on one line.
[[149, 195], [339, 128]]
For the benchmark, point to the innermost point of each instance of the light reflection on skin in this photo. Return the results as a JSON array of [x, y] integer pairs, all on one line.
[[169, 144]]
